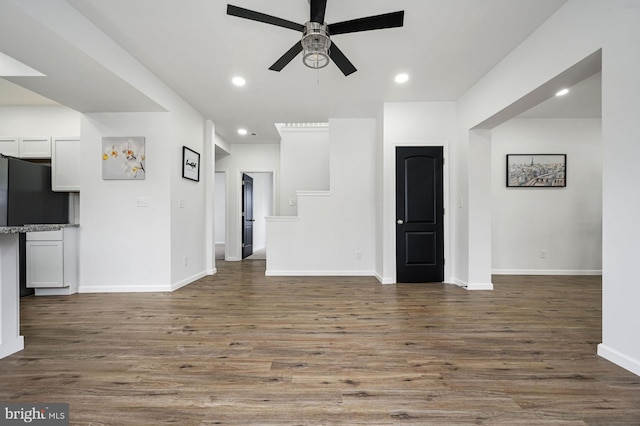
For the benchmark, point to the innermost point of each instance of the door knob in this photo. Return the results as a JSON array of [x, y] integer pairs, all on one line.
[[400, 221]]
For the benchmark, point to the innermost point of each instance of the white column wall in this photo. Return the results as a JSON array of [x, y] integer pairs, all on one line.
[[189, 206]]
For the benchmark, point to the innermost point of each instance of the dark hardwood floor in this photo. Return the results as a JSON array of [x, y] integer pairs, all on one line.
[[241, 348]]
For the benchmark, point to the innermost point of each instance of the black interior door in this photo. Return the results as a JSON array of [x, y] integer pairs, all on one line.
[[419, 214], [247, 216]]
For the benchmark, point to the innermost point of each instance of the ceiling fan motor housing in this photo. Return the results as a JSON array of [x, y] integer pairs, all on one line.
[[315, 44]]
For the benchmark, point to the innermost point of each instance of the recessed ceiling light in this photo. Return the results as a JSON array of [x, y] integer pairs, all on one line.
[[242, 132], [562, 92], [239, 81], [402, 78]]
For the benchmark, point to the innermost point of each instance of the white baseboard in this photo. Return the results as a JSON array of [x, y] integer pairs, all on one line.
[[11, 345], [271, 273], [480, 286], [123, 289], [619, 358], [64, 291], [186, 281], [140, 288], [546, 271], [458, 282], [385, 281], [212, 271], [472, 286]]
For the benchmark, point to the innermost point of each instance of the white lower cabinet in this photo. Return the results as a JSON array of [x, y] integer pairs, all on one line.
[[45, 264], [51, 260]]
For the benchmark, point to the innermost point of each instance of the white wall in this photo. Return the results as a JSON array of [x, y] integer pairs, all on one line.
[[334, 233], [244, 158], [39, 121], [304, 164], [189, 199], [123, 247], [576, 31], [406, 124], [220, 207], [566, 223]]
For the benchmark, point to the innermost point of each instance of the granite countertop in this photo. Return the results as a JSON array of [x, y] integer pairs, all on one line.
[[35, 228]]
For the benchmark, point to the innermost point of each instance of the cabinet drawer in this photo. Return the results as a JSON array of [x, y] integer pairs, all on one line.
[[45, 236]]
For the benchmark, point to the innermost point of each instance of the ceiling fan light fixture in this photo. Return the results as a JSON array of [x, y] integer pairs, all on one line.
[[315, 45]]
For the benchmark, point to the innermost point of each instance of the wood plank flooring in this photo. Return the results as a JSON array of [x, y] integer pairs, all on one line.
[[241, 348]]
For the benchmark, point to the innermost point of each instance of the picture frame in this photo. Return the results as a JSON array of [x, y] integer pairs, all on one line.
[[123, 158], [536, 170], [190, 164]]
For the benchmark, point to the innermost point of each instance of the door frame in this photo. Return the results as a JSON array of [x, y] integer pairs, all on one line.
[[238, 223], [226, 212], [446, 204]]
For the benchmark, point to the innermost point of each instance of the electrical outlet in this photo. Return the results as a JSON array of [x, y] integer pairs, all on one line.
[[142, 202], [186, 261], [543, 254], [358, 255]]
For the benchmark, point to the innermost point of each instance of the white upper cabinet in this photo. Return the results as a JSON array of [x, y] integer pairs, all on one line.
[[9, 146], [65, 164], [35, 147], [27, 147]]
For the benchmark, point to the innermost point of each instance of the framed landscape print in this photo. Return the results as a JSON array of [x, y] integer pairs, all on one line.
[[536, 170], [190, 164]]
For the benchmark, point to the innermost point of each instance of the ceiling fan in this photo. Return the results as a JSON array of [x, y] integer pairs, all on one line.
[[318, 49]]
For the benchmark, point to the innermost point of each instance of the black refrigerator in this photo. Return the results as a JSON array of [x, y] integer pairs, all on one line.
[[26, 198]]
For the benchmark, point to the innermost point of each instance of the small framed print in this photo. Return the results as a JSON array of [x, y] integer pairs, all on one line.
[[190, 164], [123, 157], [536, 170]]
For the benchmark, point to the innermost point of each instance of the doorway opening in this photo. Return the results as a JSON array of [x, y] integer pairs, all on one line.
[[253, 221]]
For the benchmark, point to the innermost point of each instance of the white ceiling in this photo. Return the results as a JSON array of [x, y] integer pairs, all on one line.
[[445, 46]]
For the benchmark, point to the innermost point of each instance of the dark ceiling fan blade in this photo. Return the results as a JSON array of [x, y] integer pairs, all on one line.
[[378, 22], [287, 57], [340, 60], [261, 17], [318, 8]]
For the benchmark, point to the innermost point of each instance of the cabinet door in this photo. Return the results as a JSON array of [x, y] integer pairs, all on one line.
[[45, 264], [35, 147], [9, 146], [65, 164]]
